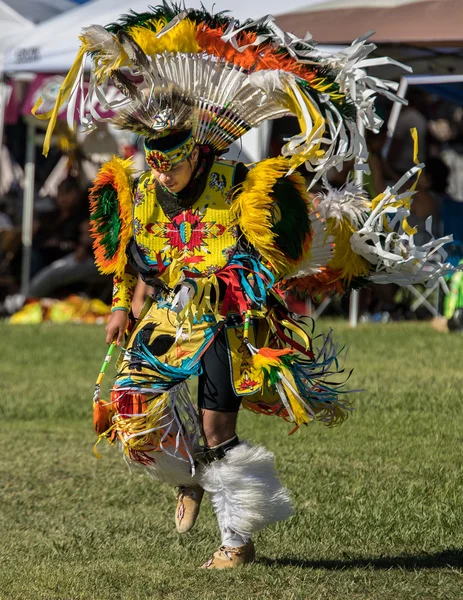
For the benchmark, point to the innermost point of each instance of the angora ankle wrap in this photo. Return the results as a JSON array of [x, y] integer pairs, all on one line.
[[245, 490]]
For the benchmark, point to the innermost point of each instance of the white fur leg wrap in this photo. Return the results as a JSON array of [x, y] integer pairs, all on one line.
[[172, 470], [245, 490]]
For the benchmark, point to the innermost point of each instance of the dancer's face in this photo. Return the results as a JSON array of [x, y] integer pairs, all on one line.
[[179, 177]]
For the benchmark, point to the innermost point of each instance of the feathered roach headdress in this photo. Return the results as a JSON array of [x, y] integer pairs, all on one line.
[[178, 69]]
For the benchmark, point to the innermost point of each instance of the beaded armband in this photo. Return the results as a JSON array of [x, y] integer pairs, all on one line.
[[123, 290]]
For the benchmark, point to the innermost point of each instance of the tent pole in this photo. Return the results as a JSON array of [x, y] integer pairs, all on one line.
[[28, 210], [5, 92], [394, 116], [354, 296]]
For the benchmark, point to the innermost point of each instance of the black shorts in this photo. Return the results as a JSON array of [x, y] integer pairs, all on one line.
[[215, 391]]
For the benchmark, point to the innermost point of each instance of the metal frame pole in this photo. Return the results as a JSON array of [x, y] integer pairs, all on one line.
[[5, 93], [28, 209], [394, 116], [354, 296]]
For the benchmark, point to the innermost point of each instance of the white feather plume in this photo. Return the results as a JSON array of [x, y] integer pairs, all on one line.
[[348, 202]]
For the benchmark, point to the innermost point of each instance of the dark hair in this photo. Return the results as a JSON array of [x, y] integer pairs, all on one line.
[[167, 142]]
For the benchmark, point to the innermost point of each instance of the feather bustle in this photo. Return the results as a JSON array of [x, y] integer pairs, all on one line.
[[117, 176]]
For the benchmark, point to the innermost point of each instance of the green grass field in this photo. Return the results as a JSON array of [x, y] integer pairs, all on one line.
[[379, 504]]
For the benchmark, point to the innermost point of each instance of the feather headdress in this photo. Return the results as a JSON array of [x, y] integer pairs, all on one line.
[[173, 65]]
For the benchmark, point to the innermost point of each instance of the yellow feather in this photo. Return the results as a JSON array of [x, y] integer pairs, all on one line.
[[253, 208], [123, 170], [181, 38], [106, 51], [263, 362], [345, 260]]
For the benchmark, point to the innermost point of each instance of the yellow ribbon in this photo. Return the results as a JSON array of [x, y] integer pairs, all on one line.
[[403, 201], [61, 98], [406, 227], [295, 107]]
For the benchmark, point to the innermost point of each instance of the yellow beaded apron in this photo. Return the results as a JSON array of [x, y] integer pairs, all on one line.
[[203, 235]]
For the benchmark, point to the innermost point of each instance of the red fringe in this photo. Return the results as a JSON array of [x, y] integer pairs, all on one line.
[[129, 403]]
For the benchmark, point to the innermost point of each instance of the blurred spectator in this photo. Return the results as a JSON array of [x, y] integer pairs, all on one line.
[[77, 267], [438, 173], [400, 155], [451, 211], [57, 232], [453, 158]]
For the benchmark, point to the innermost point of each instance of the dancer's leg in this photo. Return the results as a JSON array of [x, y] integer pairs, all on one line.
[[241, 480]]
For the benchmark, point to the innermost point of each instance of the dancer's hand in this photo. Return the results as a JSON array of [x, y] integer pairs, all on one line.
[[117, 326]]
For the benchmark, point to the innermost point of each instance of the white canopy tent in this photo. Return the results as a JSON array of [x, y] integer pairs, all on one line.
[[14, 25], [53, 45], [18, 18], [429, 22]]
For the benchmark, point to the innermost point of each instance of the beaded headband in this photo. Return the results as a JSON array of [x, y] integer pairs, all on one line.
[[165, 160]]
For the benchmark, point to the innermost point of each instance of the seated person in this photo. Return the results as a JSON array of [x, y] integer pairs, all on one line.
[[57, 232], [77, 267]]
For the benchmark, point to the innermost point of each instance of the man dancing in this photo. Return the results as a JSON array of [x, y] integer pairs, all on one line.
[[222, 245]]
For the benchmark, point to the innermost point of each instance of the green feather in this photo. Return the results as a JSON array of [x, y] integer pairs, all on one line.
[[292, 229], [167, 12], [107, 221]]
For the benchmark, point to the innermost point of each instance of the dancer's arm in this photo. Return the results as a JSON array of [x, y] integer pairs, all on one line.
[[123, 291]]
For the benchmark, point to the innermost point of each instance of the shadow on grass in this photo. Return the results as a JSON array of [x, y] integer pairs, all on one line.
[[439, 560]]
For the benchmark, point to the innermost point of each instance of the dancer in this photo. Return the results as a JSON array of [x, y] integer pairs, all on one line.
[[221, 244]]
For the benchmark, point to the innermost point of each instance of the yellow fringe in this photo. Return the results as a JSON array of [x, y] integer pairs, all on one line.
[[181, 38], [140, 426], [301, 415], [201, 303], [254, 209]]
